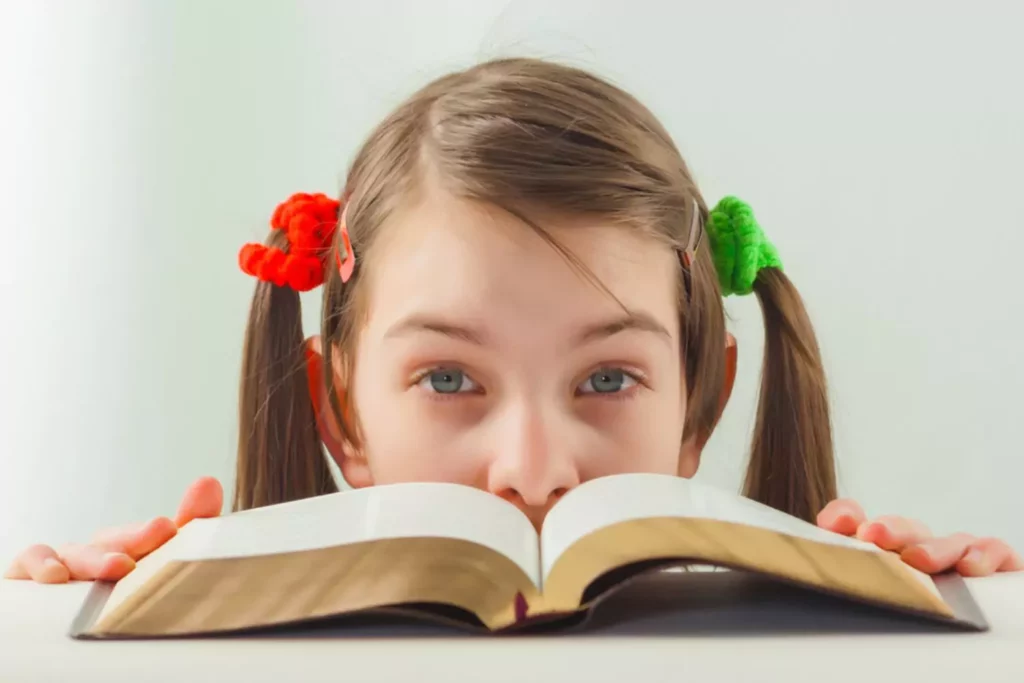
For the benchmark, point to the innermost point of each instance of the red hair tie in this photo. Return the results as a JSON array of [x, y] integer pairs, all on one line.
[[310, 222]]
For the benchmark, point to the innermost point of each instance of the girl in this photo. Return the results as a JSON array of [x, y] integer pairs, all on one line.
[[523, 291]]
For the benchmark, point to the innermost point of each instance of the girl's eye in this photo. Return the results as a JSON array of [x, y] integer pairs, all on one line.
[[447, 381], [607, 381]]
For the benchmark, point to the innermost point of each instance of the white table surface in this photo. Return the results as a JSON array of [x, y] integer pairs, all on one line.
[[34, 646]]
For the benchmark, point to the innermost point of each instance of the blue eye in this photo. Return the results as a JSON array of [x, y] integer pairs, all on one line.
[[447, 381], [607, 381]]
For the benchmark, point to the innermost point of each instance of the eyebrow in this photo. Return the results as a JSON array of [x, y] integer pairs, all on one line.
[[429, 323], [639, 321]]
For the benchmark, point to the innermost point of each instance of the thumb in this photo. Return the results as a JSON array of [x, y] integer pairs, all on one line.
[[204, 498]]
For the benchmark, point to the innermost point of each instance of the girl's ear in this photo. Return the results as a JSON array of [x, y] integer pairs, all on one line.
[[689, 456], [353, 465], [731, 358]]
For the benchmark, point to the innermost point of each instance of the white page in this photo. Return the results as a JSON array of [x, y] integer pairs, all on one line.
[[607, 500], [389, 511]]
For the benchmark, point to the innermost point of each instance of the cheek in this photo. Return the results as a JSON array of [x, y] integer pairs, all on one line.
[[408, 438], [643, 437]]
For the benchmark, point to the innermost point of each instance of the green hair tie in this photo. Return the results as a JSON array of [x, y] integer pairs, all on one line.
[[738, 246]]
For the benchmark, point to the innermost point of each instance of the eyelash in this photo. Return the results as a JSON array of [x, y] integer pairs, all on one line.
[[627, 394], [635, 374], [437, 395]]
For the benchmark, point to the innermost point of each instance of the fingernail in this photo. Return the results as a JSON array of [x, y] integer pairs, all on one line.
[[51, 563], [53, 570], [119, 558], [927, 547], [976, 559], [866, 528], [165, 522]]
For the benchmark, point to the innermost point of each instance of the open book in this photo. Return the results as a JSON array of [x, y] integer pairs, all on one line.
[[454, 553]]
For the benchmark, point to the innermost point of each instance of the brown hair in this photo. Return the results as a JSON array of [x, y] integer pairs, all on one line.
[[280, 456], [522, 135]]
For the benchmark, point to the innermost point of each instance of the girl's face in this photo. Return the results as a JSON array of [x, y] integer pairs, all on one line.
[[489, 360]]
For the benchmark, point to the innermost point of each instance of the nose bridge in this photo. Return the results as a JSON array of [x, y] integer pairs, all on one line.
[[534, 454]]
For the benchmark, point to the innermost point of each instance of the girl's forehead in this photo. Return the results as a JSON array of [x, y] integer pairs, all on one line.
[[458, 257]]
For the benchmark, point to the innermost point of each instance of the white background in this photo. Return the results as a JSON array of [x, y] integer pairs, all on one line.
[[142, 143]]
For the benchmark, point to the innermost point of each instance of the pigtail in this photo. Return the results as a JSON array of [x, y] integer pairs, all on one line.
[[791, 462], [791, 466], [280, 456]]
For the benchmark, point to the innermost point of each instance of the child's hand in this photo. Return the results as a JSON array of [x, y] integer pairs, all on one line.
[[966, 554], [113, 552]]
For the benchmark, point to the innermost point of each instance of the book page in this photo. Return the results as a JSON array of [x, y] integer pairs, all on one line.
[[412, 510], [601, 502], [190, 540], [376, 512]]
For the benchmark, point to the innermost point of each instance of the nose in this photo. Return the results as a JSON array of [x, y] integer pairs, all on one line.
[[534, 464]]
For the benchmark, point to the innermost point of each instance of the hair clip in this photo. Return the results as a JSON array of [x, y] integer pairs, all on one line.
[[689, 253], [348, 264], [693, 238]]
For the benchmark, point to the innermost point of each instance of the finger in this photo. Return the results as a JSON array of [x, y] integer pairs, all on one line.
[[937, 554], [204, 498], [1013, 563], [136, 540], [90, 563], [986, 556], [38, 563], [842, 516], [893, 533]]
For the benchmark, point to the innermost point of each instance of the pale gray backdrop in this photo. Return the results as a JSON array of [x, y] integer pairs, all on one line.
[[142, 143]]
